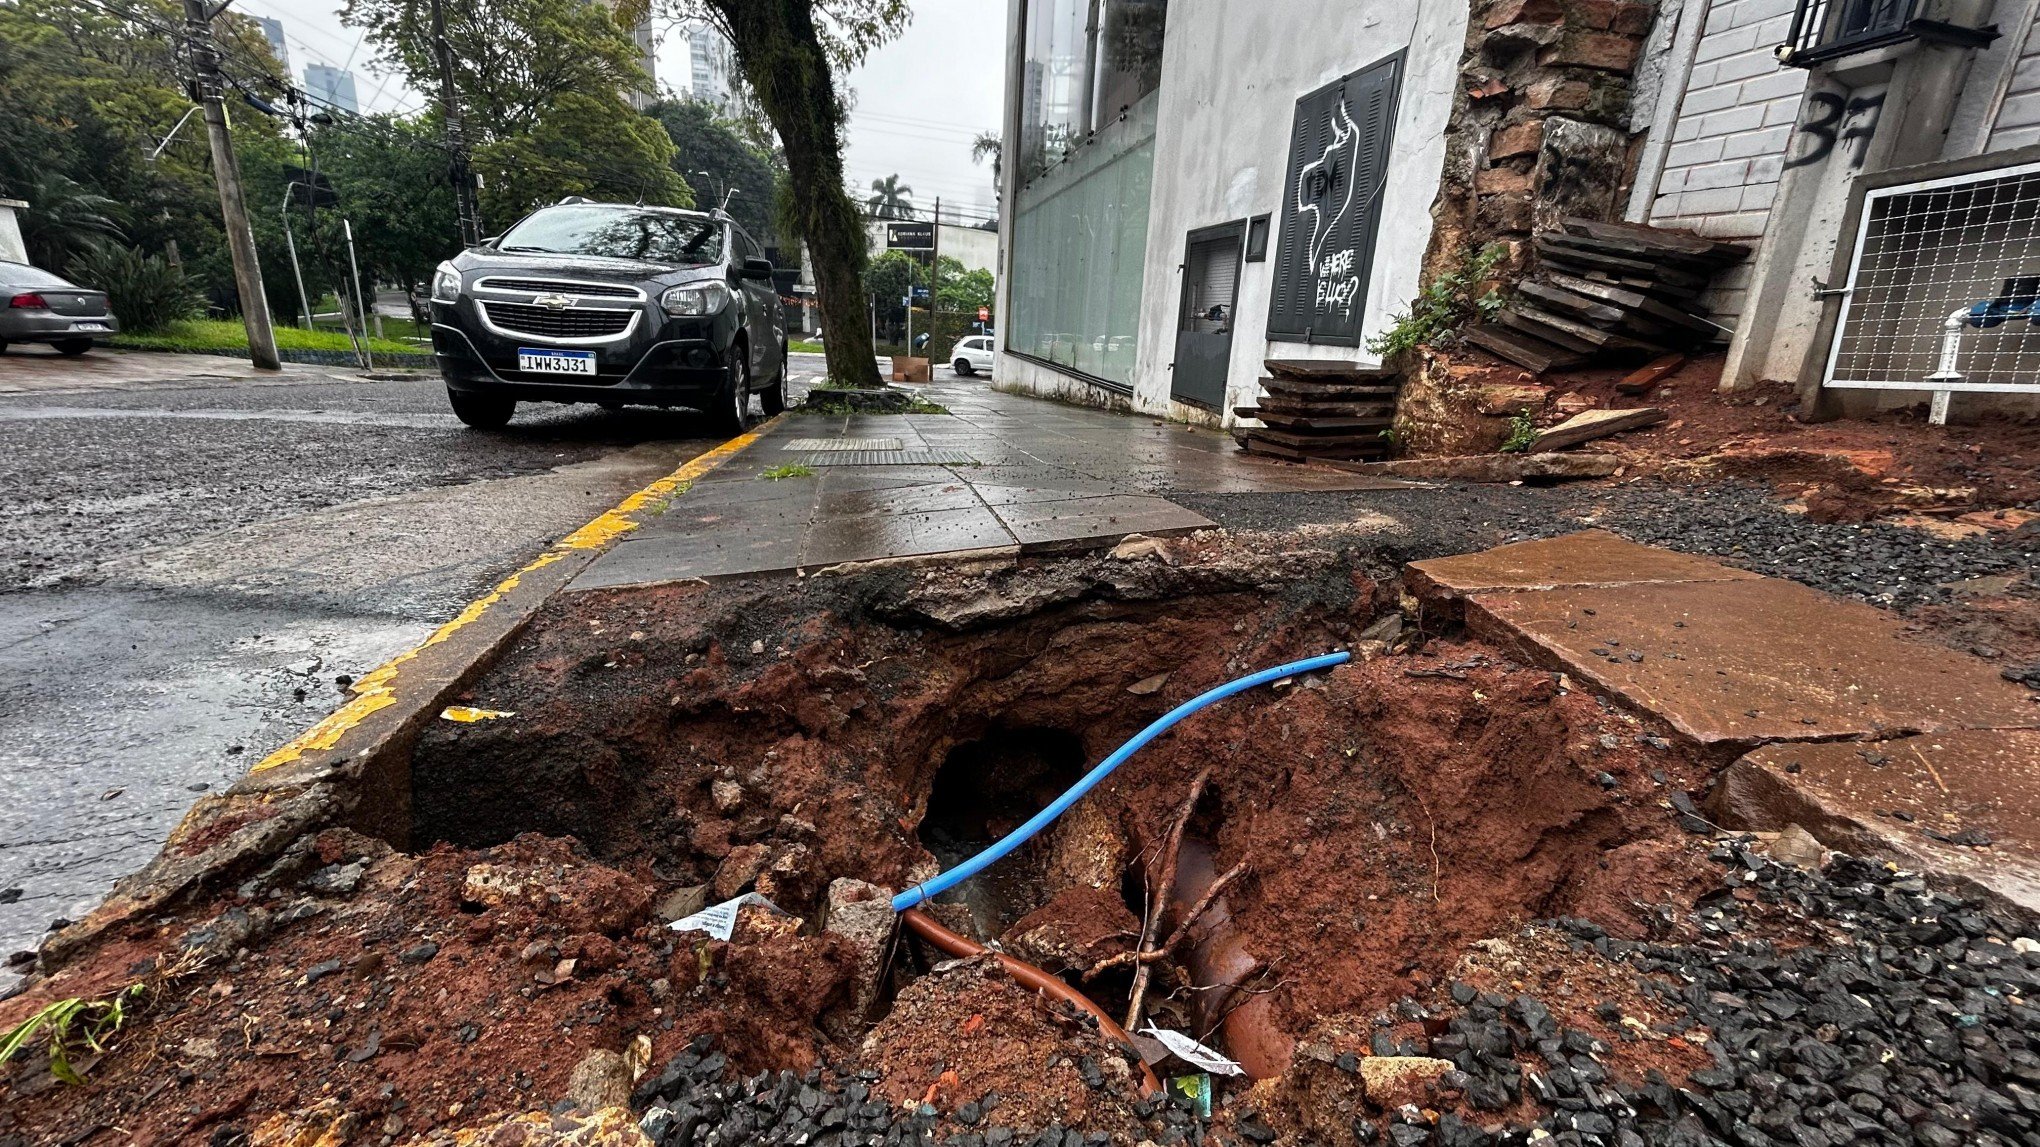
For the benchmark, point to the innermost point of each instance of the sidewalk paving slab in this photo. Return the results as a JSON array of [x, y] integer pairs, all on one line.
[[1015, 475], [1977, 792], [1748, 660], [1586, 558]]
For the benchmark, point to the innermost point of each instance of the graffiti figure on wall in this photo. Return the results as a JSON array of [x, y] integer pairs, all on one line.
[[1324, 192]]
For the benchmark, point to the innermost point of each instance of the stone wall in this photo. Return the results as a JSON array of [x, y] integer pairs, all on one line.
[[1539, 125]]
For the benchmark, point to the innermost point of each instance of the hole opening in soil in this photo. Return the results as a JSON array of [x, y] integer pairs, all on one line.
[[1383, 820]]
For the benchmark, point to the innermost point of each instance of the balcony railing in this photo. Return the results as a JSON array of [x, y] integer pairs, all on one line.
[[1828, 29]]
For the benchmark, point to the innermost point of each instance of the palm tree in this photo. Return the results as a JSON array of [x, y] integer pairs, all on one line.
[[63, 219], [891, 199], [988, 145]]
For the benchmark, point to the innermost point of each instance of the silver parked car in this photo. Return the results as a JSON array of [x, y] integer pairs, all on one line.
[[38, 307]]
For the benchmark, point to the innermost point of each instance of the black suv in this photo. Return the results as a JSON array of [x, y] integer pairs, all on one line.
[[611, 304]]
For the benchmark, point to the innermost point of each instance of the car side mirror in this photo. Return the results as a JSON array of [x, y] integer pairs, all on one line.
[[756, 268]]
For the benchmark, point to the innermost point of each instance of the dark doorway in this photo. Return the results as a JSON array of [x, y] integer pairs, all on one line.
[[1211, 278]]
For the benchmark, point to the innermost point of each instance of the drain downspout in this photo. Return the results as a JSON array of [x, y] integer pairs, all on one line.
[[953, 944]]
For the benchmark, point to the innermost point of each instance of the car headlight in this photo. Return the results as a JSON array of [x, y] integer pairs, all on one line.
[[445, 284], [695, 299]]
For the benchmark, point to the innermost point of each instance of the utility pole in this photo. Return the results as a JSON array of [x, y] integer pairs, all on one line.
[[205, 63], [456, 136]]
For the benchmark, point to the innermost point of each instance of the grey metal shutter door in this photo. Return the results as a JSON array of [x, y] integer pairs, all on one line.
[[1214, 268], [1331, 207]]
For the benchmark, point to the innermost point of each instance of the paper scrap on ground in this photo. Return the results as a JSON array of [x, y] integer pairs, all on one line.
[[1183, 1046], [467, 715], [719, 920]]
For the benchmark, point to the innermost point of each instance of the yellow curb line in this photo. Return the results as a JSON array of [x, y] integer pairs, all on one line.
[[376, 689]]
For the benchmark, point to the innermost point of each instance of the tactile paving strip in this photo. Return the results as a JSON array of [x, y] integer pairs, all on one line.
[[842, 444], [879, 458]]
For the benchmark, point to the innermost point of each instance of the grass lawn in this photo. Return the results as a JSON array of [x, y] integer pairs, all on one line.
[[799, 346], [199, 335]]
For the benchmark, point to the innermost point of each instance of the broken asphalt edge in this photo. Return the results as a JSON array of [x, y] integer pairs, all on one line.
[[352, 768]]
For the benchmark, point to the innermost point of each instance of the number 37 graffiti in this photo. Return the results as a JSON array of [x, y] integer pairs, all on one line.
[[1834, 121]]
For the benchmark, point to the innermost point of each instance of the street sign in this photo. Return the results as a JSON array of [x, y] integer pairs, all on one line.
[[984, 314], [910, 236], [310, 187]]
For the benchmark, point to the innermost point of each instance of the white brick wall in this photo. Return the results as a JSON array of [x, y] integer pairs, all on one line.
[[1735, 122], [2018, 122]]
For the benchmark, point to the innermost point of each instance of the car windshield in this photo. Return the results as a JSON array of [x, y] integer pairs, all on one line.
[[23, 275], [618, 233]]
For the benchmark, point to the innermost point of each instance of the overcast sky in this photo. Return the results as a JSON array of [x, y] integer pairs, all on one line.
[[919, 100]]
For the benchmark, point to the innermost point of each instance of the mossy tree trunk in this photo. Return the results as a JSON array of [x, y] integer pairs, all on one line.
[[782, 55]]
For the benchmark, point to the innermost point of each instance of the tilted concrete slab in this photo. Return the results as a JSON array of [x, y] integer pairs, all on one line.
[[1965, 803], [1746, 660], [1587, 558]]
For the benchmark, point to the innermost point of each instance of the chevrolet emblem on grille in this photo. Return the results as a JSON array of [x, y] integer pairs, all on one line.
[[552, 302]]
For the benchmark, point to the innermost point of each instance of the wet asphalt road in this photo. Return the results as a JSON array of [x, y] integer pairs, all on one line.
[[192, 571]]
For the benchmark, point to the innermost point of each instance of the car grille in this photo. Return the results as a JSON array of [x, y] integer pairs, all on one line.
[[565, 324], [555, 287]]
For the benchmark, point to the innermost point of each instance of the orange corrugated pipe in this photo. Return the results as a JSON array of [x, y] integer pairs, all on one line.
[[954, 944]]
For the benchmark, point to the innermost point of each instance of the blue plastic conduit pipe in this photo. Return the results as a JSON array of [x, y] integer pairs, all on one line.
[[929, 889]]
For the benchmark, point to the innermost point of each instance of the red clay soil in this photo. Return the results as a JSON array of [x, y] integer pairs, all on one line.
[[956, 1036], [1390, 813], [1851, 469]]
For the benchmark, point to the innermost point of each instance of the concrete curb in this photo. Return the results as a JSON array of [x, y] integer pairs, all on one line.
[[352, 769]]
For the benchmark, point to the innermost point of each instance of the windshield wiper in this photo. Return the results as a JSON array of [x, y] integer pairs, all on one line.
[[532, 250]]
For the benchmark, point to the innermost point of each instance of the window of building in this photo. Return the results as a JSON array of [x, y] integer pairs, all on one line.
[[1078, 260], [1087, 63]]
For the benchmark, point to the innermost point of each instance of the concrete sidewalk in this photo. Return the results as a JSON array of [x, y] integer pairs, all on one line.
[[1873, 741], [998, 472]]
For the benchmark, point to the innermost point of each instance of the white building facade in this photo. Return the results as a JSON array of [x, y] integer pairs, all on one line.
[[1196, 186]]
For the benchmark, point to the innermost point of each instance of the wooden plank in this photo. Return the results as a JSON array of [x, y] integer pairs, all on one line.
[[1533, 355], [1685, 242], [1316, 426], [1634, 249], [1634, 300], [1564, 249], [1309, 442], [1594, 424], [1331, 391], [1327, 370], [1598, 338], [1514, 316], [1640, 380], [1284, 404], [1559, 299]]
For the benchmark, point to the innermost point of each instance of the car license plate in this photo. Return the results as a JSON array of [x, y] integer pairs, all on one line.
[[88, 326], [555, 361]]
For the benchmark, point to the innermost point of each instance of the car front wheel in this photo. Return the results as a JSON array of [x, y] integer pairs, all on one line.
[[482, 411], [773, 398], [961, 365], [734, 413]]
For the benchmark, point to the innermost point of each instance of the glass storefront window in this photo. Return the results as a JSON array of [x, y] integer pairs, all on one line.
[[1079, 254], [1087, 62]]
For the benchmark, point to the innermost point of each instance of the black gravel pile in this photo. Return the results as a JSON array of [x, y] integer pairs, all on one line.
[[1741, 524], [1914, 1028], [692, 1104]]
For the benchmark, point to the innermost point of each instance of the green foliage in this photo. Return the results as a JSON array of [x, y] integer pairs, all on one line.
[[146, 292], [69, 1026], [1440, 308], [211, 336], [583, 144], [706, 143], [957, 289], [802, 346], [64, 220], [787, 470], [1522, 432], [889, 276], [390, 174], [513, 59]]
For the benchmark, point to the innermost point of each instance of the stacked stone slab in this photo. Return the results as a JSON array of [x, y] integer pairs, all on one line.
[[1608, 292], [1320, 410]]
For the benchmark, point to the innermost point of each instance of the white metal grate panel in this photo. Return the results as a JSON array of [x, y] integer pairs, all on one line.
[[1944, 287]]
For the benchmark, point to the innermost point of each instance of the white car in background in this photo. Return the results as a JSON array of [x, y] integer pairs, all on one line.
[[972, 354]]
